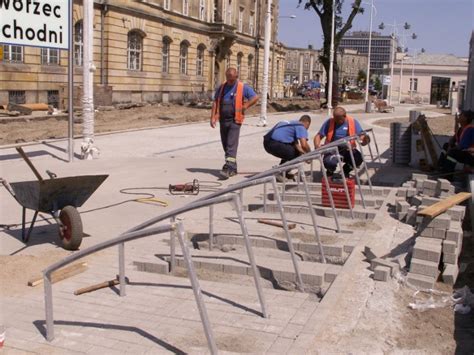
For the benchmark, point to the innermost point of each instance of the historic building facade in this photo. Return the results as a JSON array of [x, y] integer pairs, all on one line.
[[151, 50], [302, 65]]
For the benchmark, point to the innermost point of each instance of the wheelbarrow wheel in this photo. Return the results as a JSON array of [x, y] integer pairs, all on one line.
[[70, 231]]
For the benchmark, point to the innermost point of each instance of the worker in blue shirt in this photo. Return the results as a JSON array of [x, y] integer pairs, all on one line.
[[288, 139], [231, 100], [461, 147], [337, 127]]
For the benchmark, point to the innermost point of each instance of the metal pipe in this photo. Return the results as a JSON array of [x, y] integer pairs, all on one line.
[[197, 291], [266, 57], [331, 200], [253, 264], [70, 88], [331, 59], [122, 269], [376, 146], [367, 79], [365, 166], [211, 227], [48, 306], [172, 246], [265, 197], [356, 173], [299, 280], [313, 218]]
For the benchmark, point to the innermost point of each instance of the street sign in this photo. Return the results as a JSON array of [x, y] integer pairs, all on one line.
[[39, 23], [386, 80]]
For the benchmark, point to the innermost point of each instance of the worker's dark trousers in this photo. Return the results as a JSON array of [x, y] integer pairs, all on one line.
[[284, 151], [230, 132], [448, 162], [330, 160]]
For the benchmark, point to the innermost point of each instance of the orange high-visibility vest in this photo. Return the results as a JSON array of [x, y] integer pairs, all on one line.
[[238, 103], [464, 130], [332, 128]]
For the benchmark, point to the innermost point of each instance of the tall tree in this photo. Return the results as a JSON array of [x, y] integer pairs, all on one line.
[[324, 9]]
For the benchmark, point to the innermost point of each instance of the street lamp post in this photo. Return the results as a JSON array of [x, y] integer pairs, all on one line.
[[266, 57], [404, 49], [331, 59], [367, 78]]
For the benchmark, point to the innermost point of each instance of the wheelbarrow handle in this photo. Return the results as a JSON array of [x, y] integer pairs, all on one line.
[[7, 186], [30, 164]]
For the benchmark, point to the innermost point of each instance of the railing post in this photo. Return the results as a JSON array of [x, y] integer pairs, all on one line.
[[122, 269], [365, 166], [172, 246], [356, 173], [211, 227], [48, 306], [344, 182], [331, 199], [265, 197]]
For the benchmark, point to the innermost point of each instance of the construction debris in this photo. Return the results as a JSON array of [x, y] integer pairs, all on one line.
[[61, 274], [276, 223], [96, 287]]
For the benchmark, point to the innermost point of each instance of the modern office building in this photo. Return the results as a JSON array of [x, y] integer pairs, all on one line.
[[381, 48]]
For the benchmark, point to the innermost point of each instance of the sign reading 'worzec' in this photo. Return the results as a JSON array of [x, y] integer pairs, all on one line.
[[42, 23]]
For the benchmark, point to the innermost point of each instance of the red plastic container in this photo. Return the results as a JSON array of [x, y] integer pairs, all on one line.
[[338, 193]]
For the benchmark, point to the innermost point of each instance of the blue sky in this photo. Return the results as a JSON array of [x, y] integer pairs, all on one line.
[[442, 26]]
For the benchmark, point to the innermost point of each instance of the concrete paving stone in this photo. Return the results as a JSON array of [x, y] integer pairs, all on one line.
[[426, 231], [444, 184], [411, 192], [281, 346], [416, 200], [457, 213], [449, 246], [102, 350], [439, 233], [402, 192], [423, 267], [454, 235], [428, 201], [450, 274], [411, 215], [291, 331], [408, 184], [382, 273], [416, 176], [451, 258], [394, 267], [402, 206], [420, 281], [349, 246], [401, 216], [441, 221], [429, 192], [430, 184], [427, 251], [235, 269], [432, 241]]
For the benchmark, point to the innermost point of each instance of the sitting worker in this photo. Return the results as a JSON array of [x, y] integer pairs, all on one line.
[[288, 139], [460, 148], [337, 127]]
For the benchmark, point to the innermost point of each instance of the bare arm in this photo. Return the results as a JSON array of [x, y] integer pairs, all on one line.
[[302, 146], [213, 118], [317, 141], [251, 102]]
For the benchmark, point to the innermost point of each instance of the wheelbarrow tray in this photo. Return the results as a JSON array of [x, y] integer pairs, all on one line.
[[55, 194]]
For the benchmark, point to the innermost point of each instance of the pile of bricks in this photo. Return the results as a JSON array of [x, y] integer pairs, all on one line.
[[438, 240]]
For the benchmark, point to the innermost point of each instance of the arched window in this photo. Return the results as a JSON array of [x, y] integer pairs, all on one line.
[[78, 43], [183, 58], [240, 55], [134, 48], [250, 68], [165, 55], [227, 59], [200, 60]]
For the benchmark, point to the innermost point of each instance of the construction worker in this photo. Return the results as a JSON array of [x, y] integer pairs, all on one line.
[[460, 148], [288, 139], [231, 100], [337, 127]]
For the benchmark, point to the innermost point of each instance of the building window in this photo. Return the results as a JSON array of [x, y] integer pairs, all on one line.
[[134, 48], [278, 71], [78, 43], [12, 54], [183, 58], [17, 97], [165, 55], [50, 56], [202, 10], [414, 84], [200, 60], [239, 62], [53, 98], [241, 19], [288, 65], [250, 68], [229, 12], [185, 7], [251, 24], [166, 4], [306, 66]]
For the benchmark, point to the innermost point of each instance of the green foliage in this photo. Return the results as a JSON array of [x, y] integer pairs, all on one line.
[[378, 84], [361, 76]]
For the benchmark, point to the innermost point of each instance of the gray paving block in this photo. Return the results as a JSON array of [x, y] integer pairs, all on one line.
[[423, 267], [416, 200], [402, 206], [441, 221], [457, 213], [439, 233], [394, 267], [349, 246], [411, 215], [433, 241], [443, 184], [450, 258], [331, 273], [411, 191], [429, 184], [402, 192], [382, 273], [400, 216], [449, 246], [420, 281], [454, 235], [408, 184], [416, 176], [429, 192], [428, 201], [427, 251], [426, 232], [450, 274]]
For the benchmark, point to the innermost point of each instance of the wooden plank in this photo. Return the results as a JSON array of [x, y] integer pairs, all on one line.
[[275, 223], [444, 205], [97, 287], [61, 274]]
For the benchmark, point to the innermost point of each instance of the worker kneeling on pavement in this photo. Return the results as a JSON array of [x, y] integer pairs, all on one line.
[[337, 127], [230, 102], [288, 139], [460, 148]]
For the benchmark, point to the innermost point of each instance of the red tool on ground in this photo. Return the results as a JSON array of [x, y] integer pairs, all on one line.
[[338, 192], [189, 188]]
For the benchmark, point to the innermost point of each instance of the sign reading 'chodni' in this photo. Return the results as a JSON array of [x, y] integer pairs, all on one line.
[[41, 23]]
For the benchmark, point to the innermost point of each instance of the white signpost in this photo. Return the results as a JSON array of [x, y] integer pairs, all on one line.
[[41, 23]]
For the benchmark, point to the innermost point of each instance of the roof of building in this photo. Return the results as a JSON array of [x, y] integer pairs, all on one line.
[[436, 59]]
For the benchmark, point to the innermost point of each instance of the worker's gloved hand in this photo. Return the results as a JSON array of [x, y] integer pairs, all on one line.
[[365, 139]]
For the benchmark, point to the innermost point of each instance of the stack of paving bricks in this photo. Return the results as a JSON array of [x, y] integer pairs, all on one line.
[[438, 240]]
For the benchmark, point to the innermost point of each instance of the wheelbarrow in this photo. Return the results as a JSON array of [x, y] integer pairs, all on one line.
[[59, 197]]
